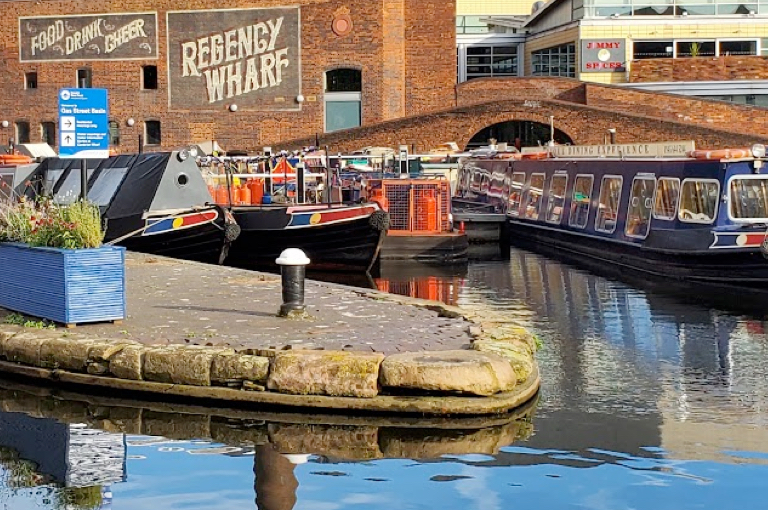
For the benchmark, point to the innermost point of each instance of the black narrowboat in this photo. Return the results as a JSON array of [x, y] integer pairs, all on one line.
[[664, 209]]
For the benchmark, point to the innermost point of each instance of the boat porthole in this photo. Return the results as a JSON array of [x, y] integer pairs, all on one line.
[[182, 180]]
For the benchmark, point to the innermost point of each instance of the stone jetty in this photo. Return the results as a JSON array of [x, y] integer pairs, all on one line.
[[196, 331]]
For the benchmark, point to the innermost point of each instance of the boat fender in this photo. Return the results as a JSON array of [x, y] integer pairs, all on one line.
[[231, 232], [379, 220], [764, 246]]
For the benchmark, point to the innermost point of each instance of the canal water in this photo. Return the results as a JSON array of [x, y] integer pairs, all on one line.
[[650, 400]]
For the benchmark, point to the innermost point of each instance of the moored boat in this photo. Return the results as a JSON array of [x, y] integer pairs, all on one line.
[[663, 209], [154, 203]]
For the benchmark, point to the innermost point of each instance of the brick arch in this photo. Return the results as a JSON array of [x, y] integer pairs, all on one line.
[[582, 123], [510, 118]]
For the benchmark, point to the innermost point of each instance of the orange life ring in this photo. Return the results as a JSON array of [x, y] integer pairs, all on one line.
[[720, 154]]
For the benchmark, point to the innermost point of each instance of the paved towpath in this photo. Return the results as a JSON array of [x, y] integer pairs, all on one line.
[[178, 302]]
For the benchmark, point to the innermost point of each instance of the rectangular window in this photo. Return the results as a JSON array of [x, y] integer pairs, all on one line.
[[639, 209], [30, 80], [748, 199], [608, 207], [667, 196], [652, 49], [737, 48], [484, 61], [152, 134], [695, 49], [533, 196], [22, 131], [698, 200], [48, 132], [516, 193], [556, 61], [581, 200], [149, 77], [556, 198], [84, 78], [114, 132]]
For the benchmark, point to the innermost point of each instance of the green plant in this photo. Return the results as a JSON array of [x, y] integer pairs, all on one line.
[[44, 223], [22, 320], [695, 49], [80, 498]]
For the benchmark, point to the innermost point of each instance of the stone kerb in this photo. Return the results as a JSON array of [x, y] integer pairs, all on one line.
[[495, 365]]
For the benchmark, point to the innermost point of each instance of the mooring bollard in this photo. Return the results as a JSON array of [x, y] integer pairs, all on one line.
[[292, 264]]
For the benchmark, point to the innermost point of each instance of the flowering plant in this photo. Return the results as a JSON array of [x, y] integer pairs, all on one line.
[[44, 223]]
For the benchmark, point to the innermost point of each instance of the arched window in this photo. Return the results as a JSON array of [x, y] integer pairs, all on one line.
[[343, 103]]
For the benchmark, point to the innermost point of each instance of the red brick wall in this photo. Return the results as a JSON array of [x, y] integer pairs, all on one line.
[[699, 69], [583, 124], [489, 89], [385, 56]]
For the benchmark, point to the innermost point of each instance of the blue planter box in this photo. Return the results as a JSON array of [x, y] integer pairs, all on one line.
[[66, 286]]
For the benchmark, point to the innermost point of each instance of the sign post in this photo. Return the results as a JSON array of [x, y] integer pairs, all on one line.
[[83, 128]]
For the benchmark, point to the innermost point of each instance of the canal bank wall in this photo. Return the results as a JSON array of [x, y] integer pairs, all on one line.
[[207, 332]]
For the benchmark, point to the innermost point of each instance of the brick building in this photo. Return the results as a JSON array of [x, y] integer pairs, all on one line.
[[246, 74]]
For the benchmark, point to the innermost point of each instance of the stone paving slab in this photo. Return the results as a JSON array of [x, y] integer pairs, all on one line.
[[178, 302]]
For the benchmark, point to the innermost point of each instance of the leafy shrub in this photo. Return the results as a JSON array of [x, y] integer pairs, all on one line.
[[43, 223]]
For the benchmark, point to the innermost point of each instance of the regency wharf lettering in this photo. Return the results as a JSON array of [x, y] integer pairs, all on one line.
[[252, 62]]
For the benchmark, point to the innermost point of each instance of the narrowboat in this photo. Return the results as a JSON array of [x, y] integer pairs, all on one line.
[[663, 209], [278, 204], [154, 203]]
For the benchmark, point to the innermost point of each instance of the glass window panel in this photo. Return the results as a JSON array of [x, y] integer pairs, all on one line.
[[581, 200], [48, 130], [605, 11], [697, 10], [667, 196], [478, 60], [106, 185], [70, 189], [652, 49], [736, 8], [639, 209], [608, 208], [342, 115], [344, 80], [556, 198], [695, 48], [114, 132], [479, 50], [533, 196], [515, 193], [22, 132], [652, 10], [153, 133], [698, 202], [749, 198]]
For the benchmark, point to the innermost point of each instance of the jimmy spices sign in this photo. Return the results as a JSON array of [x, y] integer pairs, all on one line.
[[603, 55], [247, 57], [88, 37]]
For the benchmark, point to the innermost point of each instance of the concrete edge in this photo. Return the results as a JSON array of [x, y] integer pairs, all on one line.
[[433, 405]]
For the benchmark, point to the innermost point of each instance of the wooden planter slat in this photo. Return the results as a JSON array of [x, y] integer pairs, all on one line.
[[66, 286]]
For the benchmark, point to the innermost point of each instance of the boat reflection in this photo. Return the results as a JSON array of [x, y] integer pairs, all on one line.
[[422, 281]]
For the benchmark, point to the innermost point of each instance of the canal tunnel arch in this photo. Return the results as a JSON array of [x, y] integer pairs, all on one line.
[[518, 133]]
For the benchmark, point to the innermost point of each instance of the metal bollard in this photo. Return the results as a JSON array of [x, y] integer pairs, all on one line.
[[292, 264]]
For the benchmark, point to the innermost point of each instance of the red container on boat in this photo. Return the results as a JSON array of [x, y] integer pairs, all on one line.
[[245, 195], [257, 190]]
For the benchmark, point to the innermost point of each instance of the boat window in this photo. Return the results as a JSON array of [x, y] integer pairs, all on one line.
[[69, 191], [667, 196], [516, 192], [640, 205], [581, 200], [556, 198], [533, 196], [698, 200], [608, 208], [106, 185], [749, 199]]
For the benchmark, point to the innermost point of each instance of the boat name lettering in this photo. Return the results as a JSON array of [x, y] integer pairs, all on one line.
[[662, 149], [91, 37]]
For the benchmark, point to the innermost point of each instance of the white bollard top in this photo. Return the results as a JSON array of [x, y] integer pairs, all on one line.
[[296, 458], [292, 257]]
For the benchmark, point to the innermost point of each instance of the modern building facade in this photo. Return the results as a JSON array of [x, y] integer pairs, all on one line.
[[245, 74]]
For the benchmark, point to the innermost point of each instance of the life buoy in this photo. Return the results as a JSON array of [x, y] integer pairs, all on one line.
[[14, 159], [720, 154]]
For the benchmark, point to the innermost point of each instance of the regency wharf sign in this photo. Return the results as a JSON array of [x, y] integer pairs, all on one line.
[[88, 37], [247, 57]]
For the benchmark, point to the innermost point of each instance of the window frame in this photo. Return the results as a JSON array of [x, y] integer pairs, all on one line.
[[589, 202], [144, 77], [717, 202], [43, 125], [728, 198], [677, 202], [89, 73], [549, 199], [146, 131], [27, 80], [618, 204], [636, 178], [17, 132], [527, 199], [515, 211]]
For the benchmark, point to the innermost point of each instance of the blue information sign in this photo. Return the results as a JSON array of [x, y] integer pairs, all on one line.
[[83, 123]]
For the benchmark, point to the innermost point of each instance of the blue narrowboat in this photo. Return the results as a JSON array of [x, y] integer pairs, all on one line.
[[664, 209]]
